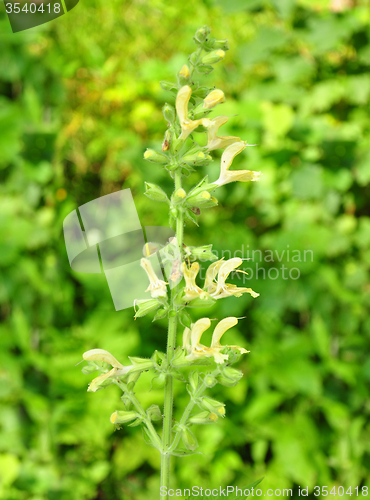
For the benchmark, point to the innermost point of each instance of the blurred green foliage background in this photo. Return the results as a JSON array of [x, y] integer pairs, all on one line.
[[80, 101]]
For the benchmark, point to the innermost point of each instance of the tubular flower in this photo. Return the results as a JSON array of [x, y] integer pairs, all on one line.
[[195, 350], [215, 285], [213, 98], [215, 142], [227, 157], [191, 290], [220, 329], [118, 369], [211, 274], [182, 102], [157, 287], [224, 289]]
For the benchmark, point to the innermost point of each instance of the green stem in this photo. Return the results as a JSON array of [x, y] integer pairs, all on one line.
[[188, 410], [171, 346], [141, 412]]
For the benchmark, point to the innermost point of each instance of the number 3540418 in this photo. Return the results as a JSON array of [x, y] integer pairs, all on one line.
[[16, 8]]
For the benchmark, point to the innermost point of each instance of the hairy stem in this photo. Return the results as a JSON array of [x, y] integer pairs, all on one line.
[[171, 346]]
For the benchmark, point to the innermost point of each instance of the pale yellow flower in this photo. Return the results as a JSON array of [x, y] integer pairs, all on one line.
[[191, 290], [211, 274], [157, 287], [185, 72], [224, 289], [214, 288], [215, 142], [196, 350], [227, 175], [220, 329], [118, 369], [182, 102], [213, 98]]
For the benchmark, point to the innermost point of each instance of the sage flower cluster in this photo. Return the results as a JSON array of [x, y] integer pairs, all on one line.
[[174, 296]]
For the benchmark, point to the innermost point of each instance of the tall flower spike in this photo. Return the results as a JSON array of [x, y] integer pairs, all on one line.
[[182, 102], [227, 158], [157, 287], [215, 142], [192, 290], [220, 329]]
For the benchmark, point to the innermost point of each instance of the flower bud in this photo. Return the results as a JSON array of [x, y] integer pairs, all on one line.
[[189, 439], [232, 373], [212, 202], [154, 192], [154, 413], [155, 157], [210, 381], [194, 381], [168, 112], [213, 406], [178, 196], [166, 141], [146, 307], [202, 33], [199, 200], [168, 86], [202, 418], [203, 253], [122, 417], [213, 98], [184, 75], [197, 158], [221, 44], [204, 69], [213, 57]]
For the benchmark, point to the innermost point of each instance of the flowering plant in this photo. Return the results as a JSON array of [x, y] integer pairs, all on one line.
[[172, 297]]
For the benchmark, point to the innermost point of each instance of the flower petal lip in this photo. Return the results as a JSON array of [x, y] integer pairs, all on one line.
[[214, 141], [182, 101], [198, 329], [114, 372], [221, 328], [227, 158], [101, 355], [211, 274]]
